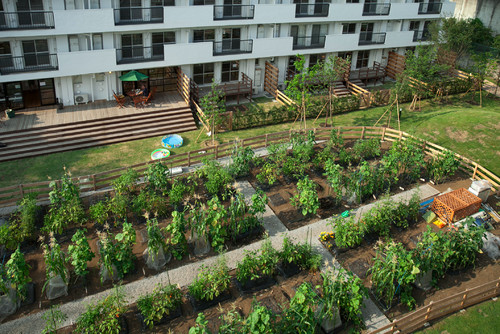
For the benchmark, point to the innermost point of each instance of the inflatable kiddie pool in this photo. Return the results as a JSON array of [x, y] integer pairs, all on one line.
[[172, 141], [159, 154]]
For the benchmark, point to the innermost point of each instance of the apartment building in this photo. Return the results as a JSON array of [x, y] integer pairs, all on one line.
[[73, 51]]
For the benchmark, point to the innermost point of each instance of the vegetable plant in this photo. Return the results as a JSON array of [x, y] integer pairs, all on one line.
[[260, 320], [21, 224], [156, 177], [445, 164], [126, 184], [99, 212], [366, 148], [241, 158], [257, 264], [124, 242], [55, 262], [79, 253], [214, 219], [103, 316], [348, 233], [17, 274], [307, 196], [53, 318], [156, 240], [201, 326], [300, 316], [333, 173], [160, 303], [211, 281], [300, 254], [268, 174], [177, 239], [218, 180]]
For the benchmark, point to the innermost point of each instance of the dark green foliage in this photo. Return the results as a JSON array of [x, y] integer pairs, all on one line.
[[21, 226]]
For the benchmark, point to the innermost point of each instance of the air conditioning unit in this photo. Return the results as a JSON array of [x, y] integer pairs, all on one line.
[[81, 98]]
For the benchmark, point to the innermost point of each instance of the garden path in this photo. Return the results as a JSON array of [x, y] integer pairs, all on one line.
[[185, 275]]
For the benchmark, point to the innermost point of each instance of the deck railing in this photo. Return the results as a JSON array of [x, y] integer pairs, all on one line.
[[370, 38], [138, 15], [28, 63], [312, 10], [232, 46], [10, 195], [430, 8], [234, 12], [308, 42], [139, 54], [27, 20], [421, 35], [373, 9]]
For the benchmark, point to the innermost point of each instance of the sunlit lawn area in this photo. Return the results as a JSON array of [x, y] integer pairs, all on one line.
[[483, 318], [465, 128]]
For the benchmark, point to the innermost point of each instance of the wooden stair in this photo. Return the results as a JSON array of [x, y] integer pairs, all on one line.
[[340, 90], [358, 83], [97, 132]]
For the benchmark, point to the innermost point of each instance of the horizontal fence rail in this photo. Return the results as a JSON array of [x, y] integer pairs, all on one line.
[[416, 319], [10, 195]]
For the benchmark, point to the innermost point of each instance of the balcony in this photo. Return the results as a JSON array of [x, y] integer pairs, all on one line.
[[308, 42], [26, 20], [421, 35], [28, 63], [138, 15], [429, 8], [371, 38], [234, 12], [139, 54], [314, 10], [232, 47], [373, 9]]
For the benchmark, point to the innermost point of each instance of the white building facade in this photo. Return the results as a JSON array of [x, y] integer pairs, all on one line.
[[73, 51]]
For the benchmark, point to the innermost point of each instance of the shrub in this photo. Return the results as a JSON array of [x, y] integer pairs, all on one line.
[[211, 281], [21, 226], [159, 303]]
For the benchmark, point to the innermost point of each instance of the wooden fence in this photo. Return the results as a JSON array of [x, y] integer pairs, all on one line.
[[271, 79], [10, 195], [434, 310]]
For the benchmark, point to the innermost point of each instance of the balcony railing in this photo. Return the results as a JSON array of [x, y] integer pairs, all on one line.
[[430, 8], [421, 35], [139, 54], [138, 15], [371, 9], [308, 42], [369, 38], [233, 46], [28, 63], [312, 10], [26, 20], [234, 12]]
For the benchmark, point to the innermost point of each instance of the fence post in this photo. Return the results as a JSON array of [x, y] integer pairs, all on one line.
[[363, 133], [21, 190], [231, 120], [216, 151], [189, 159], [383, 134], [266, 141], [475, 171], [428, 312], [464, 298], [94, 185]]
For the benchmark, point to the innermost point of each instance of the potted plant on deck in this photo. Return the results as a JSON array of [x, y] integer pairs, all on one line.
[[10, 113]]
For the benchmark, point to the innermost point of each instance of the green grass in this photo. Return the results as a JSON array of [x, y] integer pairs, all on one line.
[[483, 318], [459, 126]]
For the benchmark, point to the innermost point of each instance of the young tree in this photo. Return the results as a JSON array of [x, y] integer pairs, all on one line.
[[297, 88], [213, 105], [483, 63]]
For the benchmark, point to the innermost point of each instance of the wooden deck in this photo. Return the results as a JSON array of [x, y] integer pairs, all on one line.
[[50, 115]]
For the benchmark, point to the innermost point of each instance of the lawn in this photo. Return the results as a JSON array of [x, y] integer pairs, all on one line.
[[483, 318], [459, 126]]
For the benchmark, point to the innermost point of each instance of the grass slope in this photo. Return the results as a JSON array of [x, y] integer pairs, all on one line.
[[459, 126]]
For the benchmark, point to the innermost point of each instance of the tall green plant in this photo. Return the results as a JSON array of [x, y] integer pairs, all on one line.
[[307, 196], [213, 105], [21, 224], [55, 262], [17, 274], [80, 253], [157, 177]]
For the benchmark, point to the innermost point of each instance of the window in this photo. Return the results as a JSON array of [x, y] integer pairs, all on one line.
[[203, 2], [132, 46], [203, 73], [363, 57], [348, 28], [414, 25], [352, 1], [160, 38], [230, 71], [82, 4], [345, 55], [36, 52], [315, 59], [160, 3], [97, 42], [5, 55], [207, 35]]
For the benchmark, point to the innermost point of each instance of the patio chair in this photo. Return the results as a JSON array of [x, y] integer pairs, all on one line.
[[153, 92], [120, 100], [138, 101]]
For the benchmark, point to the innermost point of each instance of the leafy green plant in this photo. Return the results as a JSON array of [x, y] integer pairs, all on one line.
[[156, 240], [260, 320], [80, 253], [103, 316], [21, 224], [124, 243], [180, 189], [53, 318], [334, 176], [211, 281], [159, 303], [201, 326], [215, 220], [257, 264], [119, 207], [268, 174], [177, 238], [393, 272], [366, 148], [55, 262], [231, 322], [345, 292], [126, 184], [241, 158], [156, 177], [17, 274], [218, 179], [404, 159], [348, 233], [307, 196], [463, 243], [236, 213], [301, 254], [107, 252], [99, 212], [300, 316], [149, 202], [443, 165]]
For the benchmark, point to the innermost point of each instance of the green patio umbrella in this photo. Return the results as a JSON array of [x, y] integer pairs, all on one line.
[[133, 76]]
